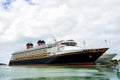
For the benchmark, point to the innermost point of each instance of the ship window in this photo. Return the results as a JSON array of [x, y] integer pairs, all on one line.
[[69, 44]]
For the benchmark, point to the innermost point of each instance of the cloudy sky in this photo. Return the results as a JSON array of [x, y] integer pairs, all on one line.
[[90, 21]]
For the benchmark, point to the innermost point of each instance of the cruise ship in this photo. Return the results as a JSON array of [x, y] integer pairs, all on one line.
[[64, 52]]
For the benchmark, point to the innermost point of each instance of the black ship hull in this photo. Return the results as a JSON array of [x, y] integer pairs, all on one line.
[[82, 57]]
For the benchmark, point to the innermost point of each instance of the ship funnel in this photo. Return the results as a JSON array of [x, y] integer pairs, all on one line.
[[41, 42], [29, 45]]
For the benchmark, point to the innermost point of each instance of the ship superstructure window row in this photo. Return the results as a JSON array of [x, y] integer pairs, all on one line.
[[69, 43]]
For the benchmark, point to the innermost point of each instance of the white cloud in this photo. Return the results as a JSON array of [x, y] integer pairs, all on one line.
[[1, 26], [32, 23]]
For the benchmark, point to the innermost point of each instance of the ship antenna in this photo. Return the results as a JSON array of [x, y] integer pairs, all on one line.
[[54, 39], [53, 35]]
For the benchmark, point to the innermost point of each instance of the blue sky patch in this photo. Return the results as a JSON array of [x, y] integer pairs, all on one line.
[[6, 3], [30, 2]]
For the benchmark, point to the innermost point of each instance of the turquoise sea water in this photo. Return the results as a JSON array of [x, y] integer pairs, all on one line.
[[58, 73]]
